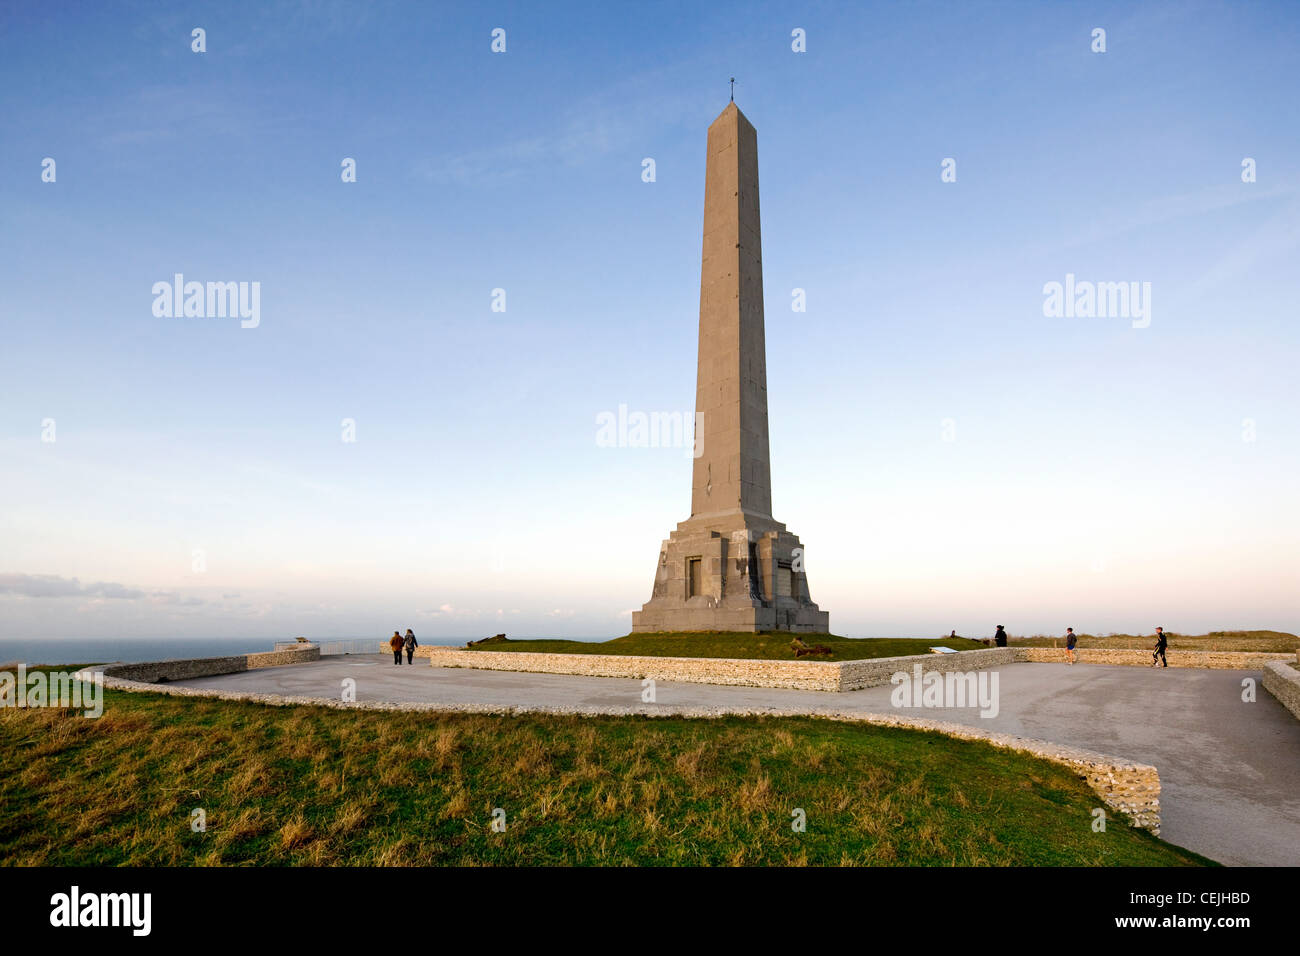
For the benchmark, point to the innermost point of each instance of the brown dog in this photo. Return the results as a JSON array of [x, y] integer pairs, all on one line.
[[803, 650]]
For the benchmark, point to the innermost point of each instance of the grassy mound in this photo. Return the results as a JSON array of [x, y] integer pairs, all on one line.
[[319, 786], [763, 646], [1279, 641]]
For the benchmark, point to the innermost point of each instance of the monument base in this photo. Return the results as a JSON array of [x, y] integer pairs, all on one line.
[[735, 572]]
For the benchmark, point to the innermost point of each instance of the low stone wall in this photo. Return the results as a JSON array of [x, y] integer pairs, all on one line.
[[154, 672], [1223, 660], [280, 658], [832, 676], [798, 675], [855, 675], [1283, 682], [421, 650], [1122, 785]]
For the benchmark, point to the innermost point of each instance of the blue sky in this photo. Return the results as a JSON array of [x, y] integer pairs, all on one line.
[[1097, 474]]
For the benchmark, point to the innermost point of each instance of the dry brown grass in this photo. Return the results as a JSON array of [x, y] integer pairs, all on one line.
[[326, 787]]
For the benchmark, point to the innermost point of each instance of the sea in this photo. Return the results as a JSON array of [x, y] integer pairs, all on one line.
[[131, 650]]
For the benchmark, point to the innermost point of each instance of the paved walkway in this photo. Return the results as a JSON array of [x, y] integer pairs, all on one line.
[[1229, 770]]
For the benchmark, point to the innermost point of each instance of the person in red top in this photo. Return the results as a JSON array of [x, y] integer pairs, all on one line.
[[395, 642]]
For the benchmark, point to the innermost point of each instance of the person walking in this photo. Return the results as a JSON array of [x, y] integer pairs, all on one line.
[[1158, 652], [1000, 638], [1070, 641], [395, 642], [410, 643]]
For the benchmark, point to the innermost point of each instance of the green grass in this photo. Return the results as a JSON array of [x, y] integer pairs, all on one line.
[[309, 785], [762, 646], [1279, 641], [776, 646]]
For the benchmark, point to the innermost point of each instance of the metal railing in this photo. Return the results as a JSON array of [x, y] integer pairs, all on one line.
[[363, 646]]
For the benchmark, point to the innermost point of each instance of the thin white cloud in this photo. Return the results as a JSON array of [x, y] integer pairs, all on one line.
[[1276, 238], [1107, 224], [54, 586], [615, 119]]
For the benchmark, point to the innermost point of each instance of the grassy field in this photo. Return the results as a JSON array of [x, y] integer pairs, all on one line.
[[1214, 641], [319, 786], [774, 646], [763, 646]]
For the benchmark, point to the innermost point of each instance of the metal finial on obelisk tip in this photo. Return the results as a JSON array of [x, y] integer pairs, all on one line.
[[733, 89]]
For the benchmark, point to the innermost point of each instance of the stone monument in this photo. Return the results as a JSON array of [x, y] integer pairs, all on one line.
[[731, 566]]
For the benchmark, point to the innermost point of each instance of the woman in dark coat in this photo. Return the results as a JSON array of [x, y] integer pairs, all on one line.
[[410, 644]]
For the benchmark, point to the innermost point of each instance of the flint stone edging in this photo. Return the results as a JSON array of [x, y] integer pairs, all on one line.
[[833, 676], [1283, 682], [153, 671], [875, 671], [1131, 657], [421, 650], [1124, 786]]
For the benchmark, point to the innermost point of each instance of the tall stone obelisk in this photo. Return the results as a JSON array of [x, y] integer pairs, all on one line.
[[731, 566]]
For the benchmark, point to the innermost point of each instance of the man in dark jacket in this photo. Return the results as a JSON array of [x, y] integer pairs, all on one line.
[[1000, 638], [410, 644], [1158, 653]]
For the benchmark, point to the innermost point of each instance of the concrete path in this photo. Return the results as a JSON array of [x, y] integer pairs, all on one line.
[[1229, 770]]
